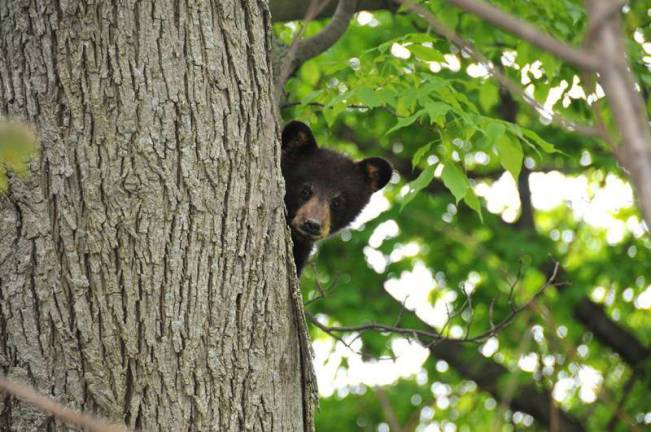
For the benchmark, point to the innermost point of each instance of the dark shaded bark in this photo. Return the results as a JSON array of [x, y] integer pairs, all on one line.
[[488, 375], [610, 333], [293, 10]]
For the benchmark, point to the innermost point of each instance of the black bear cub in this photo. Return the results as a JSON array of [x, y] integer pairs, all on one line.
[[325, 190]]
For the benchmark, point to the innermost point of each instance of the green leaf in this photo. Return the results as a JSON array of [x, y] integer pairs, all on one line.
[[510, 153], [541, 91], [464, 99], [434, 84], [426, 53], [448, 95], [310, 72], [337, 100], [488, 95], [408, 99], [417, 37], [525, 53], [646, 78], [473, 202], [368, 97], [420, 153], [494, 131], [449, 16], [545, 146], [422, 181], [551, 66], [562, 27], [437, 112], [330, 114], [311, 97], [455, 180], [333, 67], [404, 122]]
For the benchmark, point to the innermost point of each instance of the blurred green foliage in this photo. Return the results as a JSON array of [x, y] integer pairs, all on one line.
[[392, 87], [17, 144]]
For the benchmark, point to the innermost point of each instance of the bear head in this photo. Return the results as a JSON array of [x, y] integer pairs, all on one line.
[[325, 190]]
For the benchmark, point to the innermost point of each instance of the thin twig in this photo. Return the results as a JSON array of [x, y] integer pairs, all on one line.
[[372, 326], [387, 409], [52, 407], [403, 308], [430, 338], [491, 308], [472, 312], [323, 292], [353, 106]]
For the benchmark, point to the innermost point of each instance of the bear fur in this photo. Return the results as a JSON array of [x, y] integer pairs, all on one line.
[[325, 190]]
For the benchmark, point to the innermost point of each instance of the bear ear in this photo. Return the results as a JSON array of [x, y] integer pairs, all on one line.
[[297, 137], [377, 172]]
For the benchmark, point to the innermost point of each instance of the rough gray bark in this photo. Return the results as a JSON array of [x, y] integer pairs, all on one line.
[[145, 273]]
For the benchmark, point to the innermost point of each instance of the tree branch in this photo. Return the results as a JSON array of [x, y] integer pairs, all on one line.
[[629, 112], [515, 89], [302, 50], [434, 337], [52, 407], [610, 333], [488, 374], [292, 10], [527, 32], [315, 45]]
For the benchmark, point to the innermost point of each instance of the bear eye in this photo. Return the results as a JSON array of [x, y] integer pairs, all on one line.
[[337, 202], [306, 192]]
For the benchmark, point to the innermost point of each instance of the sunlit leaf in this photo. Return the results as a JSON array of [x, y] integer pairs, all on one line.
[[455, 180], [426, 53], [488, 95], [422, 181], [420, 153], [473, 202], [510, 154], [368, 97], [437, 111], [404, 122]]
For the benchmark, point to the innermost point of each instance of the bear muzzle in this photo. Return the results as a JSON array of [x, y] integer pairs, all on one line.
[[312, 220]]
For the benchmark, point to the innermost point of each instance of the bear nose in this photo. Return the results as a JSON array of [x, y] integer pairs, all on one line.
[[311, 226]]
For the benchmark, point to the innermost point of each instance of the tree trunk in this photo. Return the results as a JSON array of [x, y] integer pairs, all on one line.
[[145, 273]]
